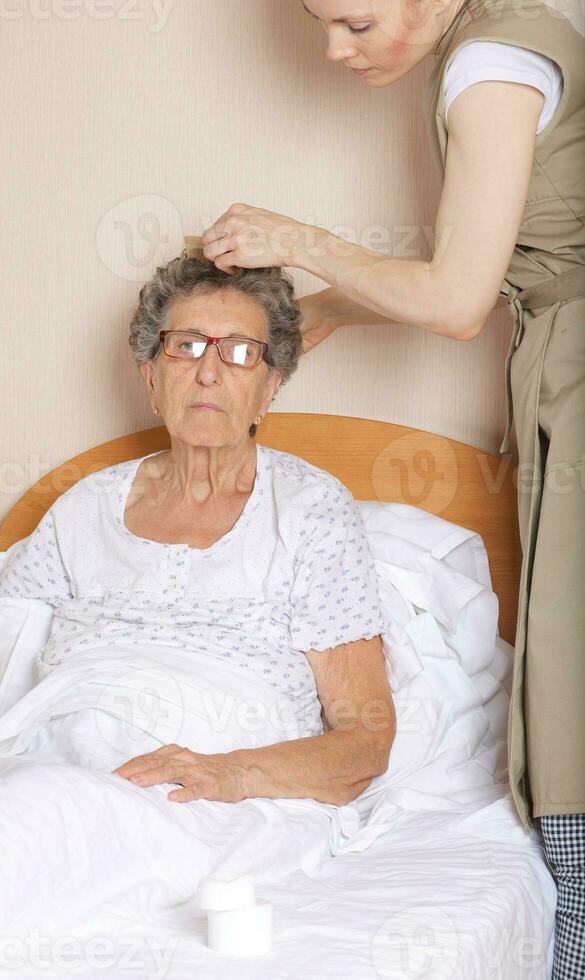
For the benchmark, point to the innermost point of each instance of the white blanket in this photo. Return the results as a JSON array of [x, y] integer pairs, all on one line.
[[100, 876], [75, 834], [444, 896]]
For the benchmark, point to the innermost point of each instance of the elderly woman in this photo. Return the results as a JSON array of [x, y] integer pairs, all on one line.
[[277, 541], [214, 603]]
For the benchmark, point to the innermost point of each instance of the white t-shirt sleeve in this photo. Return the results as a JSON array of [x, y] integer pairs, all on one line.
[[481, 61], [334, 594], [33, 567]]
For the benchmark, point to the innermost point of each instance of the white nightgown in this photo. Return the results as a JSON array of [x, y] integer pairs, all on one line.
[[293, 574]]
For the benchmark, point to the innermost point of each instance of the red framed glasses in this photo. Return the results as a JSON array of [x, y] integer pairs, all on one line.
[[185, 345]]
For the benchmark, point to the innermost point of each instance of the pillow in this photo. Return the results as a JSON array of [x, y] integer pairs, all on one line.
[[449, 671], [25, 625]]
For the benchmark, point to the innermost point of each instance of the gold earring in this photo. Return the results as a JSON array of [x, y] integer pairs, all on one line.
[[259, 419], [156, 411]]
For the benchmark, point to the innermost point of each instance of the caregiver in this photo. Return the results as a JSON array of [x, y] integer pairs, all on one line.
[[505, 112]]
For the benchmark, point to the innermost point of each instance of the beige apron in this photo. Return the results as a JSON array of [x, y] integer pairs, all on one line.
[[545, 386], [545, 376]]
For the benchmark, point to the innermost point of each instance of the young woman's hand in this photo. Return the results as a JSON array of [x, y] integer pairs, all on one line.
[[253, 238]]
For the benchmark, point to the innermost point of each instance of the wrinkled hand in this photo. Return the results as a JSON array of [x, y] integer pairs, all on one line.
[[252, 238], [203, 777]]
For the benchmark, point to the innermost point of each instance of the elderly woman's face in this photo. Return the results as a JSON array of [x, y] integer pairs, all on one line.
[[180, 388]]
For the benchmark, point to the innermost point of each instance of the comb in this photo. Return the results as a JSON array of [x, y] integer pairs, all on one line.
[[194, 247]]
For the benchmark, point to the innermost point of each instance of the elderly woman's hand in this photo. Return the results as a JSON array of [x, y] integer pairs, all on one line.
[[253, 238], [202, 777]]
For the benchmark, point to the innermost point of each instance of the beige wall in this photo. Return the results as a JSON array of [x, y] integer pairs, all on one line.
[[129, 123]]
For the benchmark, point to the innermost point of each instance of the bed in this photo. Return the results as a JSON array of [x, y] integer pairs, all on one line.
[[457, 891]]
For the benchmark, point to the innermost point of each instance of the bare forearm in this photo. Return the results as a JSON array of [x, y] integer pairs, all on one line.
[[332, 768], [369, 288], [344, 311]]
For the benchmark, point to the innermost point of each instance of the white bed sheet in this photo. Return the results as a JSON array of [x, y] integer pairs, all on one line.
[[447, 887], [441, 896]]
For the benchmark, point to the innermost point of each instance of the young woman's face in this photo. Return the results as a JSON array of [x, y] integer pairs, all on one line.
[[386, 37]]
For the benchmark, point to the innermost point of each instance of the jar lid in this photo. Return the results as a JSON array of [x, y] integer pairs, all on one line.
[[223, 892]]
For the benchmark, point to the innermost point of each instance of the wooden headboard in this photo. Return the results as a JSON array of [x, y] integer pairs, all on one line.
[[375, 460]]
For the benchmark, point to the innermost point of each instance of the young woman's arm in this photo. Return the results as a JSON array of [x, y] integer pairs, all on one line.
[[492, 127]]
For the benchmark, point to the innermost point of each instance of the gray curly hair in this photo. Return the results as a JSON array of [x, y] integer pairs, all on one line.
[[272, 288]]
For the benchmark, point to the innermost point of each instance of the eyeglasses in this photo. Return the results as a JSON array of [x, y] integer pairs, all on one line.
[[188, 346]]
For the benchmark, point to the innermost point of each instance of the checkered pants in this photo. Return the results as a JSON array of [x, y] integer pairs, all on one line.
[[564, 843]]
